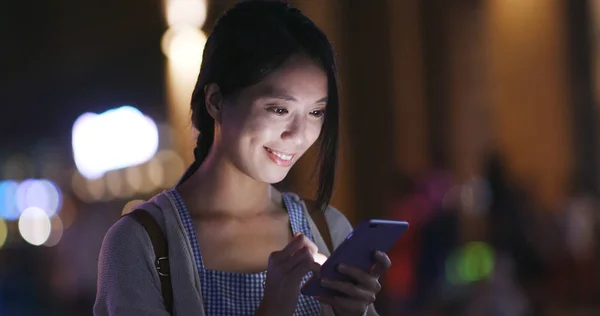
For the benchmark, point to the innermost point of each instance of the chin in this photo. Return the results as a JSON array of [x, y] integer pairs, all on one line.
[[269, 175], [272, 178]]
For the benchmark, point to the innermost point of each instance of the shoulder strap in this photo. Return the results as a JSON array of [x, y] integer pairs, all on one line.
[[161, 250], [318, 217]]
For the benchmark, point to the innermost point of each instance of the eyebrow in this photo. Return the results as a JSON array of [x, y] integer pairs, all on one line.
[[287, 97]]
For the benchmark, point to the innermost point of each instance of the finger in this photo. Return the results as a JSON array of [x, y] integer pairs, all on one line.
[[294, 245], [299, 241], [310, 245], [352, 291], [276, 257], [363, 278], [302, 255], [302, 268], [301, 263], [383, 263]]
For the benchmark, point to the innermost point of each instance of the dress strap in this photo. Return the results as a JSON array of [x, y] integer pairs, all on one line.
[[298, 220]]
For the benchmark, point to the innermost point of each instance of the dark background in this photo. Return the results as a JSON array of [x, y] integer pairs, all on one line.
[[440, 101]]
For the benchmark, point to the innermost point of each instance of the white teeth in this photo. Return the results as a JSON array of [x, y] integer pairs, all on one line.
[[280, 155]]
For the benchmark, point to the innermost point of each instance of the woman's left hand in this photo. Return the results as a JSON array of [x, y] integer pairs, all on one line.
[[359, 295]]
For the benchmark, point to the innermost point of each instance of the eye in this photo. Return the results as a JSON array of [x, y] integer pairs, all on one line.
[[317, 113], [278, 111]]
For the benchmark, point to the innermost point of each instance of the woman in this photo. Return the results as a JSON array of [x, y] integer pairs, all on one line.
[[267, 91]]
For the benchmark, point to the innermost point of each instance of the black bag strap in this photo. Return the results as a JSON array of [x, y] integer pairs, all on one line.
[[161, 249]]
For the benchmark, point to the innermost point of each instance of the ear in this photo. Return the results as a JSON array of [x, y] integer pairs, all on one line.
[[213, 100]]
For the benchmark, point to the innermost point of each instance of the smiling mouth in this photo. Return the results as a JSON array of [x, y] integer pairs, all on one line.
[[281, 155]]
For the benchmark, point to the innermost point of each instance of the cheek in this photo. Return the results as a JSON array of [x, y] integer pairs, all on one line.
[[261, 127], [253, 130], [313, 132], [231, 130]]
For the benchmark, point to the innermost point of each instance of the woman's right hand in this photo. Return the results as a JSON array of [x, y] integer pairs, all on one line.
[[285, 271]]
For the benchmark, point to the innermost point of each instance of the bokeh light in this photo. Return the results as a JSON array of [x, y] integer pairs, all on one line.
[[184, 45], [476, 196], [22, 193], [186, 12], [68, 214], [155, 172], [3, 233], [166, 135], [112, 140], [42, 193], [79, 187], [134, 178], [56, 232], [34, 226], [9, 209], [173, 167], [114, 183], [96, 189], [54, 196], [470, 263]]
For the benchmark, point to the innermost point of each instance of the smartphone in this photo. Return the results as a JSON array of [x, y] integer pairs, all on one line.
[[357, 250]]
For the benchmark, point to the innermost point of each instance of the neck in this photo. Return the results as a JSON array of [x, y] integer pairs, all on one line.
[[219, 188]]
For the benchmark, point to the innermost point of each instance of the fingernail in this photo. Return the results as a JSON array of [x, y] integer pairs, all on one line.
[[341, 266], [325, 281]]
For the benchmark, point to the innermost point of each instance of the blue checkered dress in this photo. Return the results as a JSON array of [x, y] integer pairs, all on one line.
[[233, 294]]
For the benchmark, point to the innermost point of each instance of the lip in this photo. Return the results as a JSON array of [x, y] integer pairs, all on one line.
[[278, 160]]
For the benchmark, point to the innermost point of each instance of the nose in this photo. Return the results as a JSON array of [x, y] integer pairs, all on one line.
[[295, 130]]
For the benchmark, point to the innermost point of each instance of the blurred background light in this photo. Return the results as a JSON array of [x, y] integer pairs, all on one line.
[[470, 263], [173, 167], [133, 176], [156, 173], [42, 193], [56, 232], [68, 214], [34, 226], [22, 194], [186, 12], [184, 45], [8, 200], [114, 184], [115, 139], [96, 189], [3, 232]]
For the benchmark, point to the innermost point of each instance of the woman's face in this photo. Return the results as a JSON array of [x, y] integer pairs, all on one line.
[[271, 124]]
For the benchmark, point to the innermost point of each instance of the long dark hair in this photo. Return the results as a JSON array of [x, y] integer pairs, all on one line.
[[249, 41]]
